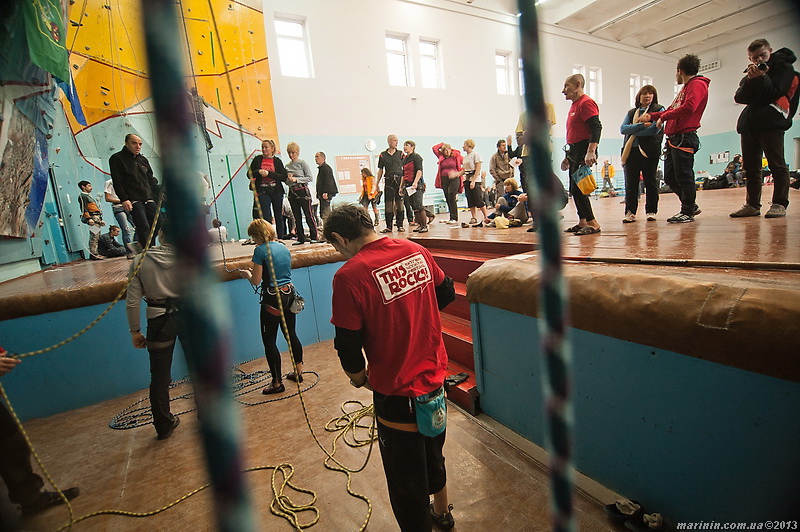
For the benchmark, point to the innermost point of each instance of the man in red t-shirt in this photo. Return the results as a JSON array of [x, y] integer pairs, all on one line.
[[583, 136], [386, 301]]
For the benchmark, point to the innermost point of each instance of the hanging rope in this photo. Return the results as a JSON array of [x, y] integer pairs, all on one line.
[[555, 351], [207, 348]]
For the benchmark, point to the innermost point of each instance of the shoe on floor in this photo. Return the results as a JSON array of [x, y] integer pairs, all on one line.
[[472, 221], [272, 389], [444, 521], [451, 222], [387, 230], [92, 256], [401, 230], [573, 229], [745, 211], [776, 211], [294, 378], [48, 499], [588, 230], [299, 242], [165, 435], [697, 210], [629, 218], [651, 217], [421, 230], [680, 218]]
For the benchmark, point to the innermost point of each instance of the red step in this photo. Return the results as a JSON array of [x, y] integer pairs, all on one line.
[[464, 394], [460, 307], [458, 267], [457, 336]]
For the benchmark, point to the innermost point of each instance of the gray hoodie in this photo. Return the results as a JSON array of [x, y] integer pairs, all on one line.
[[157, 279]]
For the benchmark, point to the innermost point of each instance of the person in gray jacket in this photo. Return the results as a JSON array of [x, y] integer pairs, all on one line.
[[158, 282]]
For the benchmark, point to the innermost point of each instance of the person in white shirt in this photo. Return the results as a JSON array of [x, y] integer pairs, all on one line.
[[218, 232], [473, 183]]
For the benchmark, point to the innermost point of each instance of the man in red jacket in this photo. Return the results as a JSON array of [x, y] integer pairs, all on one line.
[[682, 122]]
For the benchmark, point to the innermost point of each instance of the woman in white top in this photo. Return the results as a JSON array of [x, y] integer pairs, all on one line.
[[473, 183]]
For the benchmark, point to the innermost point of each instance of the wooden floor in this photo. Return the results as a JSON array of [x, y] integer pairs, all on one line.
[[713, 236], [492, 484]]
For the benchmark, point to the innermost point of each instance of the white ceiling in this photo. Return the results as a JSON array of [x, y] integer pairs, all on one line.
[[672, 27]]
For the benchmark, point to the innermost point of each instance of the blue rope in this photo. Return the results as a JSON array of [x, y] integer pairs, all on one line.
[[205, 321], [553, 312]]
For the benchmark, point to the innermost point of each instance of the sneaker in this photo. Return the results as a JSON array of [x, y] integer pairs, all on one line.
[[92, 256], [629, 218], [776, 211], [387, 230], [444, 521], [746, 210], [680, 218], [651, 217], [421, 230], [697, 210], [401, 230], [49, 499], [452, 222], [299, 243], [165, 435]]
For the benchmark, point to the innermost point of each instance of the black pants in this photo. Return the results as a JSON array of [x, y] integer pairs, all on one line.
[[269, 333], [161, 334], [393, 201], [770, 143], [324, 208], [23, 484], [679, 169], [301, 206], [272, 202], [450, 186], [583, 204], [647, 166], [143, 216], [413, 463]]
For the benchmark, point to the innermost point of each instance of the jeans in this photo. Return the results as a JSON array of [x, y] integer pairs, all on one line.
[[143, 216], [636, 164], [272, 202], [125, 223], [301, 206], [679, 169], [770, 143], [161, 334]]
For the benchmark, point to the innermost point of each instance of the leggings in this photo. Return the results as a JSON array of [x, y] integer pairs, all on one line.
[[269, 333]]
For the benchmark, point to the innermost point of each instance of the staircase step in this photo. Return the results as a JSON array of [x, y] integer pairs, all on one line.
[[460, 307], [457, 337], [466, 393], [457, 267]]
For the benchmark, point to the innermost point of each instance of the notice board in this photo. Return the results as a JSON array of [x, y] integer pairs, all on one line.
[[348, 172]]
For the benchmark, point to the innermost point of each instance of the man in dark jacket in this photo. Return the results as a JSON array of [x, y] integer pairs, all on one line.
[[326, 185], [135, 185], [770, 90]]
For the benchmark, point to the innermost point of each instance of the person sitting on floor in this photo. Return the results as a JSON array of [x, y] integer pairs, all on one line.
[[107, 245], [218, 232], [509, 206]]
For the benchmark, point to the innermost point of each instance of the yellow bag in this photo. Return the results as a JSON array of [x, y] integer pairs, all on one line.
[[501, 222], [584, 179]]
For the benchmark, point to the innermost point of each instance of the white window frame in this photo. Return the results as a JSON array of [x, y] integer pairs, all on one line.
[[594, 84], [404, 54], [289, 65], [579, 69], [503, 72], [647, 80], [438, 82], [521, 77], [635, 85]]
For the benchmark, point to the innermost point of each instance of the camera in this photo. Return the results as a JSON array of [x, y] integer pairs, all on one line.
[[762, 66]]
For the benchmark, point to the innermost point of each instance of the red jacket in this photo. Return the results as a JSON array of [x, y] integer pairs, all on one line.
[[684, 114], [458, 157]]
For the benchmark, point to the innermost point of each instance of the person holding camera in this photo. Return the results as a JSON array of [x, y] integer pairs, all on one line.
[[770, 91]]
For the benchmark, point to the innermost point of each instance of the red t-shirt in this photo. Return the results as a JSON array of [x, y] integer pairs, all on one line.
[[388, 291], [268, 164], [581, 110]]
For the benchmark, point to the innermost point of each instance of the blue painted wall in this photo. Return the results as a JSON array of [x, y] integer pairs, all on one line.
[[102, 364], [692, 439]]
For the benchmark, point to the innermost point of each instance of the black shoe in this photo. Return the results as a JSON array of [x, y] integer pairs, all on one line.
[[293, 378], [165, 435], [444, 521], [421, 230], [48, 499], [387, 230], [271, 389], [299, 242]]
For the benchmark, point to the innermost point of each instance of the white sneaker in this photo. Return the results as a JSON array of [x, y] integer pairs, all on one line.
[[651, 217], [452, 222], [776, 211], [629, 218]]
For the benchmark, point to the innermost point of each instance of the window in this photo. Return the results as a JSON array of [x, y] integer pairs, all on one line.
[[429, 64], [502, 72], [521, 78], [635, 85], [397, 61], [579, 69], [594, 84], [293, 50], [647, 80]]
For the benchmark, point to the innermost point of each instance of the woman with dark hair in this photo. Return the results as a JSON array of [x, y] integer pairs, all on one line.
[[640, 154], [267, 176], [263, 234], [448, 178]]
